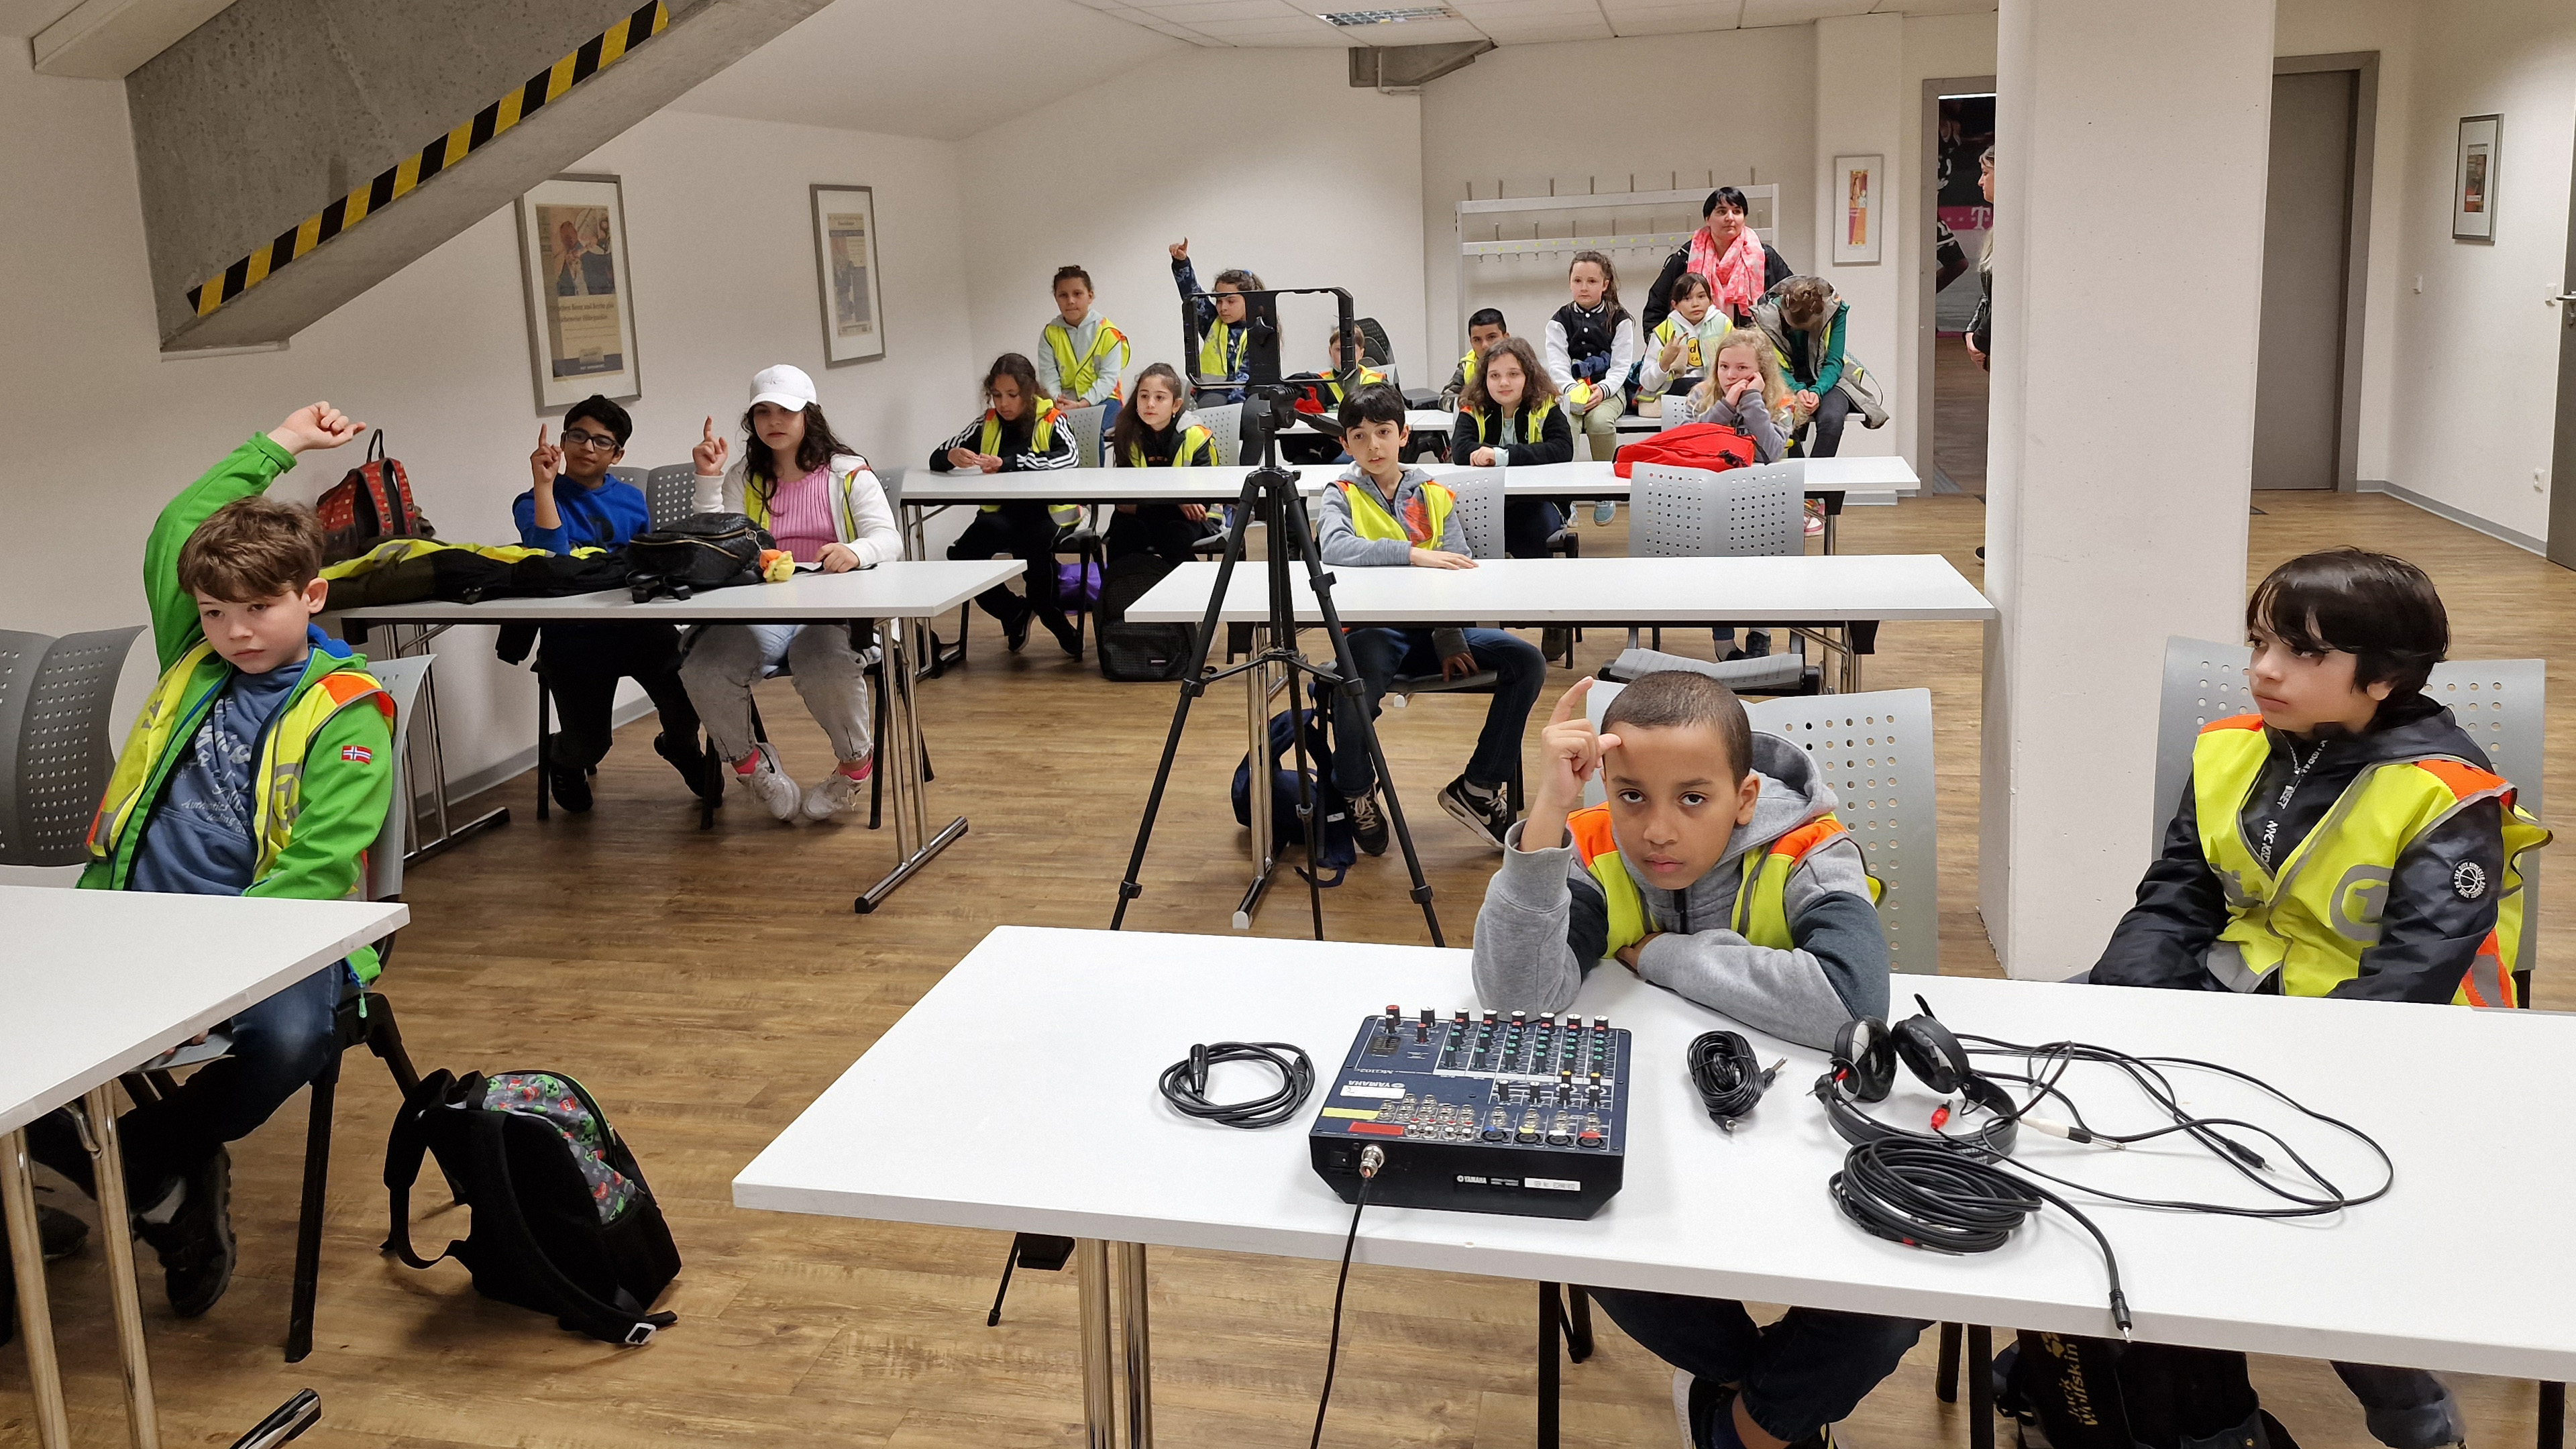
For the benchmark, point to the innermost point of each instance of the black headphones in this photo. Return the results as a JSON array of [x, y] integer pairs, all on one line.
[[1866, 1051]]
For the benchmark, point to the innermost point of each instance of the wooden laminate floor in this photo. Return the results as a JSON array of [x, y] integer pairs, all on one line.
[[707, 986]]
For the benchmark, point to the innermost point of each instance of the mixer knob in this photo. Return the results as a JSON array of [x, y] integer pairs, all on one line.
[[1590, 1137], [1600, 1023]]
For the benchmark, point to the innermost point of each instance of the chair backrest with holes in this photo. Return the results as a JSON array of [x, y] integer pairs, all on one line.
[[54, 700], [1224, 422], [630, 475], [402, 679], [671, 493], [1479, 492], [1084, 425], [1875, 751], [2203, 682], [1696, 513]]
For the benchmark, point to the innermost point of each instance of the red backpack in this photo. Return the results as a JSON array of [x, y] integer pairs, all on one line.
[[370, 505], [1713, 446]]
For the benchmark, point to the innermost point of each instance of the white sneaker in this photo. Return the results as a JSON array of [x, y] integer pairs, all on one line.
[[834, 793], [769, 785], [1604, 510]]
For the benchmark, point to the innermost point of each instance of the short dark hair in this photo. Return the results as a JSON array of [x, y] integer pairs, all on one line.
[[251, 549], [1684, 285], [1680, 698], [2376, 607], [607, 414], [1487, 317], [1375, 402], [1723, 196], [1238, 279], [1063, 272]]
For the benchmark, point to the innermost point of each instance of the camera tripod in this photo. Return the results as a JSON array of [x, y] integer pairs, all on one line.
[[1270, 494]]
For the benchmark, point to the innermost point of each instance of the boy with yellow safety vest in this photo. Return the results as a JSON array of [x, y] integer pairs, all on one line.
[[1080, 355], [260, 765], [1715, 869], [1484, 329], [1380, 513], [2349, 839]]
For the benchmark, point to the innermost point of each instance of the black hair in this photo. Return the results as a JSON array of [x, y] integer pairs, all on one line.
[[820, 447], [1680, 698], [1683, 285], [1019, 369], [1128, 433], [1487, 317], [1376, 402], [1070, 271], [607, 414], [2376, 607], [1723, 196]]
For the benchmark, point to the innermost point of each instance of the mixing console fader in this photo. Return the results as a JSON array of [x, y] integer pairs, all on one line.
[[1481, 1112]]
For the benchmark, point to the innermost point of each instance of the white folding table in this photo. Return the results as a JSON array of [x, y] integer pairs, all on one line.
[[1826, 480], [2405, 1280], [97, 984], [907, 593], [926, 493]]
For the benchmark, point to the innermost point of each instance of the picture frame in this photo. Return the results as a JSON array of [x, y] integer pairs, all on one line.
[[846, 271], [581, 299], [1860, 203], [2473, 178]]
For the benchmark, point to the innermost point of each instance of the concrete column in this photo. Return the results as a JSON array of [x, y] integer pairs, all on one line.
[[1860, 111], [2132, 142]]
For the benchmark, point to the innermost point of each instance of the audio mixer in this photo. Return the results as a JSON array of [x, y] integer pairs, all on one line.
[[1491, 1114]]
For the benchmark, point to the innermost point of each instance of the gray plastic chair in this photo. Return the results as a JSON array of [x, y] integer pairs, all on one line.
[[1700, 513], [629, 474], [1479, 508], [1225, 422], [670, 493], [1084, 426], [54, 700]]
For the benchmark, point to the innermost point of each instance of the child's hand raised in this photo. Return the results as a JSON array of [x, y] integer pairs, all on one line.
[[545, 462], [318, 425], [1180, 250], [1570, 752], [709, 454]]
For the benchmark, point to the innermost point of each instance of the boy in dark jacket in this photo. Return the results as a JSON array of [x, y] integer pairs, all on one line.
[[1716, 869]]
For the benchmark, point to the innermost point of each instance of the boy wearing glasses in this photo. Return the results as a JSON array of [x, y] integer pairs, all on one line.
[[574, 503]]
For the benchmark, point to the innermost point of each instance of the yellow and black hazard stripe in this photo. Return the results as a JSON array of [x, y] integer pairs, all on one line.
[[400, 179]]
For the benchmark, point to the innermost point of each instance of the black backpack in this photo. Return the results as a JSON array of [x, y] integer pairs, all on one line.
[[1138, 652], [2091, 1393], [1340, 846], [701, 551], [563, 1220]]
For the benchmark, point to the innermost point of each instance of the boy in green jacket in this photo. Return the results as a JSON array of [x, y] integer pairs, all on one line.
[[261, 765]]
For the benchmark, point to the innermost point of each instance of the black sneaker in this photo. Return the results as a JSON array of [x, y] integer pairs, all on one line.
[[58, 1233], [1064, 632], [1487, 815], [695, 766], [196, 1245], [570, 783], [1368, 823], [1015, 632]]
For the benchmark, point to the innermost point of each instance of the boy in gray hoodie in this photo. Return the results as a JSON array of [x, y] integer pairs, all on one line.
[[1716, 869]]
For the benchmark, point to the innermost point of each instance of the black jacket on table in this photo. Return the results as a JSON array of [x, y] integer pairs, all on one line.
[[1554, 443], [2428, 935], [1659, 301]]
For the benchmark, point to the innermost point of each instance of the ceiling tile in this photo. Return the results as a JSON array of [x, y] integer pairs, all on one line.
[[1685, 21], [1191, 12], [1241, 30], [1410, 32], [1476, 10], [1934, 7], [1799, 12], [1537, 32]]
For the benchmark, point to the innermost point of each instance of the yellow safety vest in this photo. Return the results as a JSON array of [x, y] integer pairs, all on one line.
[[1217, 350], [1332, 383], [174, 708], [1761, 913], [1041, 432], [1531, 422], [2311, 921], [1426, 518], [1694, 357], [1076, 375], [1467, 369], [1193, 437]]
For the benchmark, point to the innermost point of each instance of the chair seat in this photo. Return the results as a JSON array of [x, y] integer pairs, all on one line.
[[1771, 671], [1480, 682]]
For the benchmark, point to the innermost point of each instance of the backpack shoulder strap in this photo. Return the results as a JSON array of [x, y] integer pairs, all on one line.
[[403, 1152], [581, 1311]]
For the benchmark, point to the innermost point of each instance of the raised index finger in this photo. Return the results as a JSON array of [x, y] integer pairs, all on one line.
[[1571, 701]]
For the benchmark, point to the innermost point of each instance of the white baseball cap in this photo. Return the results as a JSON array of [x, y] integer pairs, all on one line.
[[786, 386]]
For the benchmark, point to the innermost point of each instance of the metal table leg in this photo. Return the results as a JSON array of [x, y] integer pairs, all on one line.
[[35, 1323], [1256, 684], [1099, 1391], [107, 1165], [899, 755], [426, 847], [1139, 1346]]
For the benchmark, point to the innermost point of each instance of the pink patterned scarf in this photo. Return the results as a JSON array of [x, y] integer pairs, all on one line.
[[1735, 275]]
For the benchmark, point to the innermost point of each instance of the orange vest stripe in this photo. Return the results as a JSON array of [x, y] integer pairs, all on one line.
[[1590, 827], [2233, 722]]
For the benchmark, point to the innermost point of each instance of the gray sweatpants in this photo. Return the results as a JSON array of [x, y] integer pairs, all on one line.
[[725, 660]]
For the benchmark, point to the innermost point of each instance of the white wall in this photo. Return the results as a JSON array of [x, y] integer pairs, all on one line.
[[1609, 115], [1264, 159], [104, 432]]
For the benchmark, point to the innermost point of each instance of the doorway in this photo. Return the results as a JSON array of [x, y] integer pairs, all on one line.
[[2562, 455], [1950, 395], [2315, 230]]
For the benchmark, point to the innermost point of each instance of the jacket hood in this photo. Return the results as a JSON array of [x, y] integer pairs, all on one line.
[[1793, 793]]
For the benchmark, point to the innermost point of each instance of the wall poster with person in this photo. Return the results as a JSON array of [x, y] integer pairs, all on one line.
[[845, 252], [581, 314]]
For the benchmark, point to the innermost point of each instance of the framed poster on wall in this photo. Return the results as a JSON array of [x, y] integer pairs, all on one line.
[[2473, 179], [581, 305], [1859, 193], [845, 255]]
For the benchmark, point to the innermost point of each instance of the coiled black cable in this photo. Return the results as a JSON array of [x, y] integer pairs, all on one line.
[[1948, 1198], [1729, 1079], [1184, 1083]]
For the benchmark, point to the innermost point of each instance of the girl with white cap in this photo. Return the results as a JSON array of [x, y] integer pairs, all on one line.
[[823, 505]]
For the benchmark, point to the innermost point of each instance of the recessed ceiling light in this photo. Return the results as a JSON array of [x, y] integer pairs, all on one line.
[[1351, 18]]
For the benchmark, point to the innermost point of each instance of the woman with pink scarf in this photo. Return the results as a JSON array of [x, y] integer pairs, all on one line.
[[1739, 265]]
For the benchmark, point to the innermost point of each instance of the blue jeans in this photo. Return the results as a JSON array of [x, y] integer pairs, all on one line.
[[1528, 523], [1382, 654], [1795, 1376]]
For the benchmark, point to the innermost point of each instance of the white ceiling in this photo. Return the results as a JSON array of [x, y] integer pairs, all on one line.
[[1505, 22], [26, 17]]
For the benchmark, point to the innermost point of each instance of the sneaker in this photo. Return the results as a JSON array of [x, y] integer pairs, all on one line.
[[836, 792], [1604, 511], [1368, 823], [1488, 815], [768, 784], [570, 784], [59, 1235], [1064, 632], [700, 768], [1699, 1401], [196, 1244], [1015, 632], [1815, 525]]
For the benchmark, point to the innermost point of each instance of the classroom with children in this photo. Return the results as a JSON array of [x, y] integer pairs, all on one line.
[[1063, 722]]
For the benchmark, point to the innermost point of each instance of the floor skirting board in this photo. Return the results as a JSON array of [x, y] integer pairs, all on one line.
[[2461, 517]]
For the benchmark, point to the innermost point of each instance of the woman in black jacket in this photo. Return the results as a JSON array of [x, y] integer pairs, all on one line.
[[1722, 216]]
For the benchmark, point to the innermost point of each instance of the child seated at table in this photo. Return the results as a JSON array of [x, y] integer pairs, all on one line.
[[260, 765], [574, 502], [1509, 416], [1079, 354], [1484, 329], [1018, 433], [1380, 513], [824, 505], [2349, 839], [1222, 316], [1677, 350], [1153, 432], [1715, 869]]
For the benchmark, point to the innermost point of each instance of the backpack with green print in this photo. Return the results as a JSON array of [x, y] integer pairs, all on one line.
[[564, 1222]]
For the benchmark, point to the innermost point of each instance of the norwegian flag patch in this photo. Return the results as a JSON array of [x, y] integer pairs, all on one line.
[[357, 754]]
